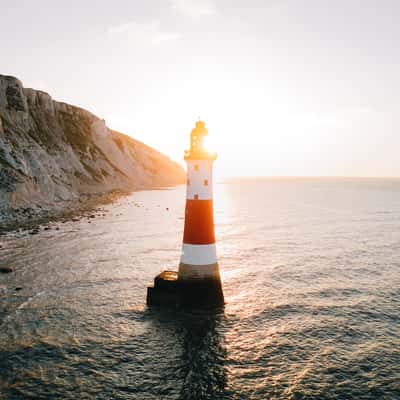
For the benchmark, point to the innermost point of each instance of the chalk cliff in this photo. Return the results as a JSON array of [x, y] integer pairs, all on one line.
[[54, 154]]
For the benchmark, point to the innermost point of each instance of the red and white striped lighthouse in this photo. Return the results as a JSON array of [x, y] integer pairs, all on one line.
[[198, 268], [197, 283]]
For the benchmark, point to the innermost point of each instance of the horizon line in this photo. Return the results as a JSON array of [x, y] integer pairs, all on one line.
[[307, 177]]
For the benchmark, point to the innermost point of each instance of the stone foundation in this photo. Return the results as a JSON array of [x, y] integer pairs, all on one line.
[[169, 291]]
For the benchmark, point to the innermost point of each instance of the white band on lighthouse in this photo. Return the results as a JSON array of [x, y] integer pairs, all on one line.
[[199, 183], [202, 254]]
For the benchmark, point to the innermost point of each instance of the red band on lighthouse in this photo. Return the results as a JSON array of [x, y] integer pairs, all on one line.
[[199, 222]]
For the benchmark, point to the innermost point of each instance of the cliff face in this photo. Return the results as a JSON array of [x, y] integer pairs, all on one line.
[[52, 154]]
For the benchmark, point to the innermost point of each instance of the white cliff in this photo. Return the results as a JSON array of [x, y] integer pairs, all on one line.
[[53, 155]]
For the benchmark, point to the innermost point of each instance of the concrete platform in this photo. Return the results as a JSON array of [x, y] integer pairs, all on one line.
[[169, 291], [164, 291]]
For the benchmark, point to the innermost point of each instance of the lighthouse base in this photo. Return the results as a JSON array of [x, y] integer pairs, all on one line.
[[169, 291]]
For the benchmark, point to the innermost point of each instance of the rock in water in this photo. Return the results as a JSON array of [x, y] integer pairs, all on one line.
[[5, 270], [53, 154]]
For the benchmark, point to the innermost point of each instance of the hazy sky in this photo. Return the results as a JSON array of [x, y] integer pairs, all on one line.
[[300, 87]]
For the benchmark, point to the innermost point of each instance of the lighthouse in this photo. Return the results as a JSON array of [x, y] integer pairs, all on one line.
[[198, 282], [198, 269]]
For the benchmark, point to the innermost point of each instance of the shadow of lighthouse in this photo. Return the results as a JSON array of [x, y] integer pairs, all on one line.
[[203, 368]]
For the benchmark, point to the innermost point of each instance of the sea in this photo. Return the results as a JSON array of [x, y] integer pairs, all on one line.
[[311, 276]]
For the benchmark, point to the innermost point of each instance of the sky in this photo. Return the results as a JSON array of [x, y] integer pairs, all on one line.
[[286, 88]]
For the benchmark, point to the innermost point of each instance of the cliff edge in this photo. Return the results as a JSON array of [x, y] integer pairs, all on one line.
[[54, 155]]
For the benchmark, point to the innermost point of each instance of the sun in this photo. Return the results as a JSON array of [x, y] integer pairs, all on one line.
[[209, 144]]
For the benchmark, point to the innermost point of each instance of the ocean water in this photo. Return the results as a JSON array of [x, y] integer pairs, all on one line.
[[311, 276]]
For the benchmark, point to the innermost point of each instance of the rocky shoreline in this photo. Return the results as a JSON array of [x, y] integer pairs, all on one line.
[[34, 219]]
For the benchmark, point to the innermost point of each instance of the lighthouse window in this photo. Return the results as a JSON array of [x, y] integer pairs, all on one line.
[[196, 167], [188, 181], [196, 196], [205, 182]]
